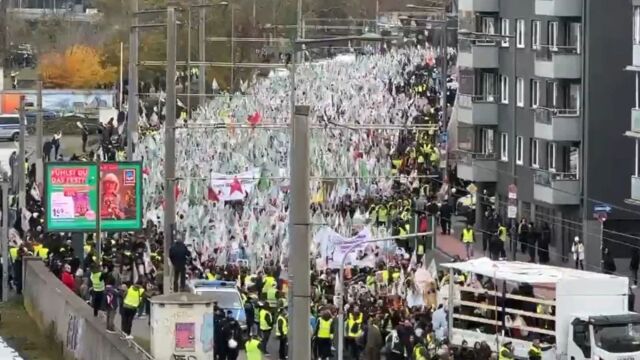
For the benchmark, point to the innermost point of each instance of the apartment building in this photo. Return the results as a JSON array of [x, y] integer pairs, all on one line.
[[542, 102], [634, 131]]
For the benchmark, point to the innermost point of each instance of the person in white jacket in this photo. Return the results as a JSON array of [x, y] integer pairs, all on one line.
[[577, 249]]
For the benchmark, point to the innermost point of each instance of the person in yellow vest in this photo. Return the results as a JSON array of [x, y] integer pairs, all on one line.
[[43, 253], [208, 275], [267, 283], [133, 297], [535, 351], [468, 238], [420, 351], [97, 289], [506, 352], [324, 336], [282, 331], [503, 236], [252, 348], [272, 296], [354, 330], [266, 324], [381, 214]]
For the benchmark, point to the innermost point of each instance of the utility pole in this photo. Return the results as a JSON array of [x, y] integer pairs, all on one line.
[[5, 239], [443, 97], [300, 234], [233, 47], [202, 47], [39, 136], [169, 145], [132, 100], [22, 169], [188, 63]]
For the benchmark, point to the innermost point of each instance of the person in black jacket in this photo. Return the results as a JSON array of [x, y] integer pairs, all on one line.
[[445, 218], [634, 264], [608, 263], [179, 254]]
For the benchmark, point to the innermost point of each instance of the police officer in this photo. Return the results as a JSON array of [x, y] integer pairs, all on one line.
[[282, 331], [266, 324], [132, 300], [324, 336], [506, 352], [354, 330], [535, 351]]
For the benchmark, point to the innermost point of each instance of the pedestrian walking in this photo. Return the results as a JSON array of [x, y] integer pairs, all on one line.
[[132, 300], [282, 332], [97, 289], [111, 303], [577, 249], [179, 254]]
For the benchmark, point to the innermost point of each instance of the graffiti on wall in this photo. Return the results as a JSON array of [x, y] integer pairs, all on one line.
[[74, 332], [206, 333]]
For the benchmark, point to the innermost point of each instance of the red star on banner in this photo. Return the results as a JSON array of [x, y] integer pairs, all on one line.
[[236, 186], [212, 195], [254, 119]]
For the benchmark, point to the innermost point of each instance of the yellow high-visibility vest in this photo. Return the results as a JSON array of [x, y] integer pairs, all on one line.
[[210, 276], [252, 347], [355, 326], [285, 326], [467, 236], [133, 298], [264, 324], [324, 328], [505, 354], [272, 297], [43, 253], [269, 282], [13, 252], [96, 283], [502, 233]]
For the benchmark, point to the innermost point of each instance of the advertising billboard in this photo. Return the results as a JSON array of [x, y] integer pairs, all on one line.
[[73, 189], [71, 196], [121, 196]]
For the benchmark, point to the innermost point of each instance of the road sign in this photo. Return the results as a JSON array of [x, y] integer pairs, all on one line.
[[601, 216], [602, 208], [472, 189], [513, 191], [512, 212]]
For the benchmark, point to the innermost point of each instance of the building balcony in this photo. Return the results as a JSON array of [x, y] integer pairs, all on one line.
[[636, 54], [559, 8], [478, 53], [477, 110], [557, 124], [635, 120], [477, 167], [556, 188], [561, 62], [479, 5]]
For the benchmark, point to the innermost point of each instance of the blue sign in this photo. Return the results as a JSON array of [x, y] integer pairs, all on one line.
[[602, 208]]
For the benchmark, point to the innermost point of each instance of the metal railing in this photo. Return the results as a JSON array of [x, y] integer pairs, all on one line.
[[468, 157], [466, 101], [465, 44], [546, 52], [546, 177], [546, 115]]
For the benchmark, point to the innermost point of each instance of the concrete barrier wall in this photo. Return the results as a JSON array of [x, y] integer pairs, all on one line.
[[62, 314]]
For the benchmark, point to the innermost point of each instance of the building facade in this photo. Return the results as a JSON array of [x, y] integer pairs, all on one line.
[[542, 103], [634, 131]]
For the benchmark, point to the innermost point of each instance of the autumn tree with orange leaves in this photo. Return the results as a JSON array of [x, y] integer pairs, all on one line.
[[78, 67]]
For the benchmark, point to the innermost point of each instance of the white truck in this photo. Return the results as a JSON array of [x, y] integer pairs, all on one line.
[[577, 314]]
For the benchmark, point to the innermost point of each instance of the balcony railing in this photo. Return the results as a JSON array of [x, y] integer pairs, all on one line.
[[465, 44], [546, 178], [546, 52], [467, 157], [546, 115], [635, 120], [466, 100]]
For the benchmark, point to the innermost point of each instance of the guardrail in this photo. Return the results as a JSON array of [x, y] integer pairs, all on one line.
[[466, 100], [465, 44], [546, 177], [546, 115], [546, 52], [467, 157]]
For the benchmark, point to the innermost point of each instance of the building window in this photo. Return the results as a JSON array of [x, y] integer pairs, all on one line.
[[535, 93], [534, 154], [504, 147], [504, 89], [520, 91], [488, 25], [551, 156], [636, 24], [552, 35], [504, 30], [519, 150], [520, 33], [535, 34]]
